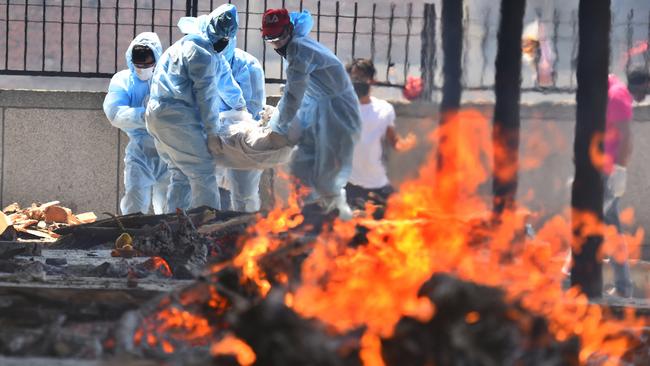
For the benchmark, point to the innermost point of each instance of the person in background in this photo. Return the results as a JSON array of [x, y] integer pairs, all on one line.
[[618, 149], [537, 52], [638, 83], [146, 176], [368, 181], [318, 112], [190, 82]]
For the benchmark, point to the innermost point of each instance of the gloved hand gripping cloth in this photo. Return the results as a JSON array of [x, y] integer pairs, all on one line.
[[241, 143]]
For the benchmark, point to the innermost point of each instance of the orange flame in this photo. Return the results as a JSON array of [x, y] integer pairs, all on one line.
[[263, 238], [406, 143], [160, 265], [429, 230], [188, 326], [231, 345], [439, 223], [173, 324]]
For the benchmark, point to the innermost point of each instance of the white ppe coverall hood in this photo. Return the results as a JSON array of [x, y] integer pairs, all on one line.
[[145, 175]]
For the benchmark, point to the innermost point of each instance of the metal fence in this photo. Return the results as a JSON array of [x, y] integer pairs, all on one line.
[[87, 38]]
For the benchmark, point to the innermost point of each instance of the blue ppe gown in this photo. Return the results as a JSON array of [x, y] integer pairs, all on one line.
[[244, 183], [189, 83], [249, 75], [320, 100], [145, 175]]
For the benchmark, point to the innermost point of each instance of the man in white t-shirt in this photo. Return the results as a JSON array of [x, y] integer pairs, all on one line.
[[368, 181]]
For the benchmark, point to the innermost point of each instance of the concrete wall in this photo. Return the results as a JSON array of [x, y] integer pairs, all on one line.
[[59, 146]]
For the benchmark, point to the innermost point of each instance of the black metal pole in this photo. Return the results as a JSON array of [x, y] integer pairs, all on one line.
[[44, 38], [629, 35], [171, 22], [428, 51], [389, 61], [409, 23], [135, 18], [484, 44], [574, 46], [153, 15], [117, 30], [556, 32], [354, 28], [318, 21], [80, 33], [25, 35], [246, 27], [594, 17], [507, 90], [336, 28], [7, 35], [452, 48], [98, 39], [372, 32]]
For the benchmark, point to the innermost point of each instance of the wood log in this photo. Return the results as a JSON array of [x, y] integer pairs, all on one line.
[[86, 236], [5, 222], [199, 217], [219, 226], [57, 214], [79, 298], [14, 207], [87, 217], [22, 225]]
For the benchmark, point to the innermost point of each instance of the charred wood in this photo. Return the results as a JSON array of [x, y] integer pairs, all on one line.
[[473, 325]]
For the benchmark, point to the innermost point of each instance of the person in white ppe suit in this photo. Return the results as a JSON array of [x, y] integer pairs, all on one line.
[[145, 175], [249, 75], [191, 79], [319, 111]]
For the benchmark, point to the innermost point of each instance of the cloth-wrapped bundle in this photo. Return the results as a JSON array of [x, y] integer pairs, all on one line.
[[242, 143]]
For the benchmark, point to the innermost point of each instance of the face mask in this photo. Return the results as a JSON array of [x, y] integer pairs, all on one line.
[[144, 74], [282, 51], [221, 44], [361, 88]]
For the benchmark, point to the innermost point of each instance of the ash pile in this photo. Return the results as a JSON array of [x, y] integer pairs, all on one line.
[[65, 280]]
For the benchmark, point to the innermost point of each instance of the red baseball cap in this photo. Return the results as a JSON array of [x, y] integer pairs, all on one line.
[[274, 22]]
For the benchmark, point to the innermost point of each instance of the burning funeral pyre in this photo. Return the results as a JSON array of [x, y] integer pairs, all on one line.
[[436, 282]]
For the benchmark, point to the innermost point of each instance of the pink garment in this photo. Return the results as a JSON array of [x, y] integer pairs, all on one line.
[[619, 110]]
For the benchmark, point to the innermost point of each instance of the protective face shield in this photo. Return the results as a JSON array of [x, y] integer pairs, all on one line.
[[221, 44], [144, 74]]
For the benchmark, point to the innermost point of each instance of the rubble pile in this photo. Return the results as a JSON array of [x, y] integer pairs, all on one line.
[[64, 298], [39, 221]]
